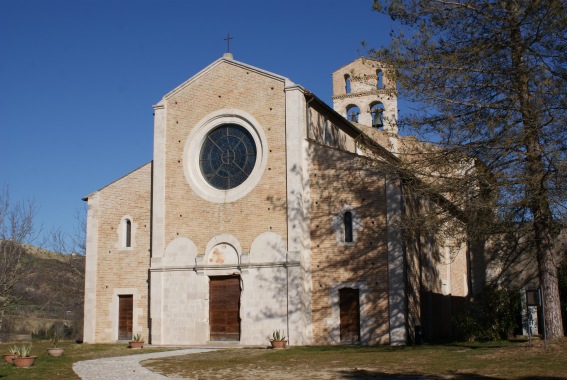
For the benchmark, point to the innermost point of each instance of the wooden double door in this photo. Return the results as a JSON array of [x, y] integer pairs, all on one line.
[[224, 308]]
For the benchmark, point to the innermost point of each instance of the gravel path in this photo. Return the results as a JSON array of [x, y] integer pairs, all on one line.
[[126, 367]]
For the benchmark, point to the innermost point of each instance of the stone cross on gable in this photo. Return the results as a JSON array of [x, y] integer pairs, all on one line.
[[227, 39]]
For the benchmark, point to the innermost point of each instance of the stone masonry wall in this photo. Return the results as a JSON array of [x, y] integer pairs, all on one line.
[[342, 181], [226, 86], [122, 270], [363, 77], [364, 91], [224, 90]]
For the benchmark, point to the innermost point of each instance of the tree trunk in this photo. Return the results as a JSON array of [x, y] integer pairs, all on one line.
[[543, 228], [536, 191]]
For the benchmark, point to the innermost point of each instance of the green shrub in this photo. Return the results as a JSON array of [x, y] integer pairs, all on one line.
[[467, 326], [493, 315]]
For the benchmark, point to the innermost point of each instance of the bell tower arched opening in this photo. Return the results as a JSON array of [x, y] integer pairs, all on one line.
[[365, 83]]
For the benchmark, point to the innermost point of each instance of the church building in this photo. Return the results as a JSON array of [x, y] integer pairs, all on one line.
[[262, 209]]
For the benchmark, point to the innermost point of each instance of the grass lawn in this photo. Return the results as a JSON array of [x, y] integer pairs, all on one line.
[[494, 360], [60, 368]]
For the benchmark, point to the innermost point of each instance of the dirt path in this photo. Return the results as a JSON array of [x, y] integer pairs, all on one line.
[[126, 367]]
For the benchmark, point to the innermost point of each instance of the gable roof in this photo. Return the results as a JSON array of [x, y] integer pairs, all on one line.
[[225, 59], [116, 180]]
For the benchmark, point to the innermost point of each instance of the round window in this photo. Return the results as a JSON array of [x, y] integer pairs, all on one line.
[[228, 156]]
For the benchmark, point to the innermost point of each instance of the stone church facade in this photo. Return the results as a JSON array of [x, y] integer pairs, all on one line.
[[263, 208]]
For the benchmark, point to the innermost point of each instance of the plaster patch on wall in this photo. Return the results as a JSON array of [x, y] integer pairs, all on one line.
[[223, 254]]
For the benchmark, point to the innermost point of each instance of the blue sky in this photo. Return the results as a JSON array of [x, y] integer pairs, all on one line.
[[78, 78]]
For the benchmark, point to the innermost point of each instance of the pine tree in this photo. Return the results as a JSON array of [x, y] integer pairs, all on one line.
[[490, 78]]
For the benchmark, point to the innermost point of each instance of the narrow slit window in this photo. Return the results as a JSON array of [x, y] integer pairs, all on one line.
[[328, 133], [347, 84], [128, 234], [379, 79], [347, 219]]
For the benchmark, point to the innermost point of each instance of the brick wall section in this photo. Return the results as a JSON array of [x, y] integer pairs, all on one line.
[[120, 267], [324, 132], [414, 275], [338, 179], [459, 281], [263, 209]]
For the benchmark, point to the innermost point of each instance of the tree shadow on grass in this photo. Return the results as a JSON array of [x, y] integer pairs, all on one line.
[[360, 374], [520, 343]]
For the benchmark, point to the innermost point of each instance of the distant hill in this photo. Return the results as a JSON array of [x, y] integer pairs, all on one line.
[[51, 291]]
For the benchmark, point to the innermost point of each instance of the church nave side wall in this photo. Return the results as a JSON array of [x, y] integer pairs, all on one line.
[[343, 182]]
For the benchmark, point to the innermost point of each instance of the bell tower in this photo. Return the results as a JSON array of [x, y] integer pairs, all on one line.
[[364, 92]]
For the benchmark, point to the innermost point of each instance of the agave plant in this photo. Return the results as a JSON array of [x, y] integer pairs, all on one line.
[[138, 337], [276, 335], [23, 351], [13, 350]]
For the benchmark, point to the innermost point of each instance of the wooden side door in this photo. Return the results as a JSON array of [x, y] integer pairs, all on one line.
[[125, 316], [224, 307], [350, 315]]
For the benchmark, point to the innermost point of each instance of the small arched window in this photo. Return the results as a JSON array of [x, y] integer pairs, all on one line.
[[352, 113], [347, 220], [379, 79], [347, 84], [127, 233]]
